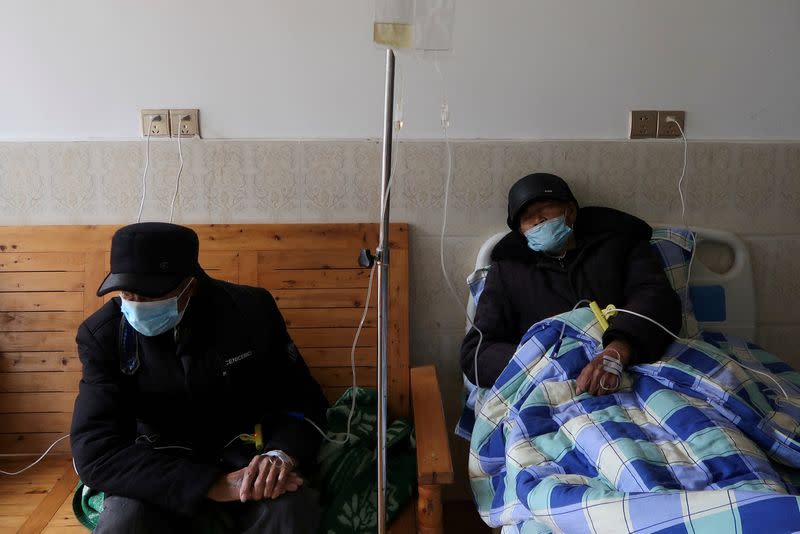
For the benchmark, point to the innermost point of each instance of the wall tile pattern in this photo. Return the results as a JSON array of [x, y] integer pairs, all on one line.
[[752, 189]]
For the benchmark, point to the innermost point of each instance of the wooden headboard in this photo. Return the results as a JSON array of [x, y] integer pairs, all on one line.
[[49, 275]]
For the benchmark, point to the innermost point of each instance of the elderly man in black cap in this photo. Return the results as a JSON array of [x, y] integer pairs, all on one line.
[[193, 400], [556, 255]]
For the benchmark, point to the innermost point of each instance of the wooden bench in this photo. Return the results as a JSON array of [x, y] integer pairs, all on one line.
[[48, 279]]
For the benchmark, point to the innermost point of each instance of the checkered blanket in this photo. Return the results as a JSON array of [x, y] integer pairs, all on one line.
[[698, 442]]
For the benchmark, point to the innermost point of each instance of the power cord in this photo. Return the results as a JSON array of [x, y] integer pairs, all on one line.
[[690, 342], [353, 369], [14, 473], [180, 169], [153, 119], [672, 119], [445, 121]]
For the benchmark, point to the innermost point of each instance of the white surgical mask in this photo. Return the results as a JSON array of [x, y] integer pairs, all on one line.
[[550, 236], [154, 317]]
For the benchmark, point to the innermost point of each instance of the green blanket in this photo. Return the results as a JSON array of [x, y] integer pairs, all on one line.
[[347, 474]]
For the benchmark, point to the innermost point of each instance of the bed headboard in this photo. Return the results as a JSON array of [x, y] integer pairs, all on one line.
[[721, 285], [49, 275]]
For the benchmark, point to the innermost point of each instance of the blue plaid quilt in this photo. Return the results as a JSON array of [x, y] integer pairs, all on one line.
[[707, 440]]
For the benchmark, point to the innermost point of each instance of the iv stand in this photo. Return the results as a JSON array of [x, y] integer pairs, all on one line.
[[382, 258]]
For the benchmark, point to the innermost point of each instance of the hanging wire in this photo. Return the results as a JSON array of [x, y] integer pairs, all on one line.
[[180, 170]]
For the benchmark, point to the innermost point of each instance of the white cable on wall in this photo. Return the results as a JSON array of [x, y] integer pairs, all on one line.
[[683, 216], [445, 121], [180, 170], [683, 206], [146, 165]]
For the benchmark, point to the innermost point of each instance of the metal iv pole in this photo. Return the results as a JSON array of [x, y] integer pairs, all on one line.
[[382, 258]]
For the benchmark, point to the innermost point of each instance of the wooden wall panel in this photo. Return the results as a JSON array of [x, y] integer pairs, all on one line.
[[42, 261], [42, 301], [338, 357], [320, 317], [40, 321], [323, 298], [49, 275], [314, 278], [34, 402], [56, 382], [329, 258], [23, 362], [37, 341], [41, 281]]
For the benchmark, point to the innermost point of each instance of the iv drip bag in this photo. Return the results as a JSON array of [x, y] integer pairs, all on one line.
[[414, 24]]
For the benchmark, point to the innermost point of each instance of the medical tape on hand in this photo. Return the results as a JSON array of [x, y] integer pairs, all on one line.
[[280, 458], [613, 366], [276, 461]]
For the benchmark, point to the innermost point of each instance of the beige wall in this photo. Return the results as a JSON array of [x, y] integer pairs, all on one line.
[[278, 69], [752, 189]]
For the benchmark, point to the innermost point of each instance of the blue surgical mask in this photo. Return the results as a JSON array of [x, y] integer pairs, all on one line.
[[154, 317], [550, 236]]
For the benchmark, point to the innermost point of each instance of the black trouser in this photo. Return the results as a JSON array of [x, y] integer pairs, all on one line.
[[293, 512]]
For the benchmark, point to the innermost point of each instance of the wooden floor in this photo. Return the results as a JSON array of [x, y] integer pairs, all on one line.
[[40, 500]]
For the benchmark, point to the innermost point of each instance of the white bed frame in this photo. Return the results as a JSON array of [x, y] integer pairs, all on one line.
[[736, 284]]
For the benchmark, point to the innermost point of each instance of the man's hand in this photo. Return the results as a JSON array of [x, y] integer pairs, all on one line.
[[264, 478], [268, 477], [226, 487], [593, 377]]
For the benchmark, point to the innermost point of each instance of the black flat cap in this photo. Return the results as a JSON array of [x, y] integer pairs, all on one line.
[[537, 186], [151, 259]]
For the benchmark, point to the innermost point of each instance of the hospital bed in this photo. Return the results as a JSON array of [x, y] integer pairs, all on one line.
[[720, 297]]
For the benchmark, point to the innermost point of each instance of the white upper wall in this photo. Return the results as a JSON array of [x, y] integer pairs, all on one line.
[[520, 69]]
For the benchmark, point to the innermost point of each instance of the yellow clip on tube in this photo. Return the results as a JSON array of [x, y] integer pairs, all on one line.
[[599, 315], [609, 311], [258, 438], [603, 315]]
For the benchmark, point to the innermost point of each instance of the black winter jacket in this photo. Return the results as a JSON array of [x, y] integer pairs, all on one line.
[[612, 263], [228, 365]]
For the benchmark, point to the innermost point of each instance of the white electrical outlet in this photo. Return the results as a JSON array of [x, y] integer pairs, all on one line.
[[157, 121], [186, 121]]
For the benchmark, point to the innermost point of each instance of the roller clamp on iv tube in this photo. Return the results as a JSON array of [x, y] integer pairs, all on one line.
[[604, 314], [256, 438]]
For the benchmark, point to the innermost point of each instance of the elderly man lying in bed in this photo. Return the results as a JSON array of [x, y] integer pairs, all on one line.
[[556, 256]]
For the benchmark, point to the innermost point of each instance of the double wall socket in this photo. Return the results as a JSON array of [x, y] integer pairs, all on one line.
[[656, 124], [167, 122]]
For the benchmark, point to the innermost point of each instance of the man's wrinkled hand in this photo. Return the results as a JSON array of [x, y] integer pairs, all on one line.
[[597, 381], [263, 478], [267, 477], [226, 487]]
